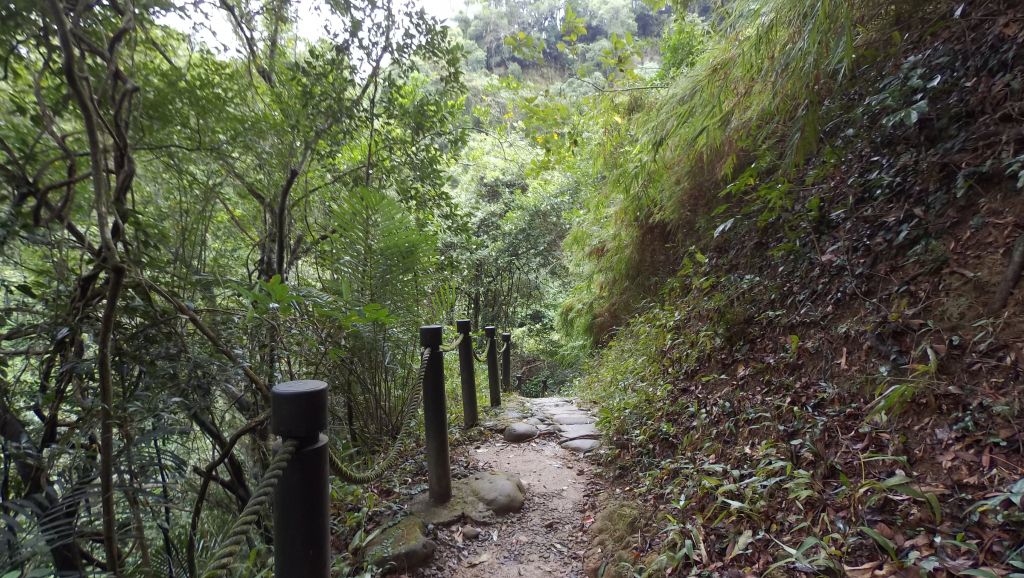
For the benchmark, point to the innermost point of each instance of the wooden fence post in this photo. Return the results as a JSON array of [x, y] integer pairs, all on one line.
[[467, 374], [302, 531], [492, 366], [435, 418]]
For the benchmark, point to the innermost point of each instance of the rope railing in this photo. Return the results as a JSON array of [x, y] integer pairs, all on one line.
[[224, 557], [482, 357], [453, 345], [296, 477], [409, 414]]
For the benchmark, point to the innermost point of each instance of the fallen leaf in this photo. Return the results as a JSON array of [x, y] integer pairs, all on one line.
[[741, 543], [884, 530], [863, 571]]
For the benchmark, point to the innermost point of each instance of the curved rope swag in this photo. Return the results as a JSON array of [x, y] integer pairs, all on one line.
[[482, 358], [503, 348], [224, 557], [453, 345], [222, 560], [409, 414]]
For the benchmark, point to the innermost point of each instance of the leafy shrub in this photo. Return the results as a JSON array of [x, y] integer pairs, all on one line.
[[683, 43], [752, 104]]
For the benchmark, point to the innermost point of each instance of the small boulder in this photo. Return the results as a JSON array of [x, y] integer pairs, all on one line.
[[402, 547], [470, 533], [520, 432], [479, 498], [500, 492]]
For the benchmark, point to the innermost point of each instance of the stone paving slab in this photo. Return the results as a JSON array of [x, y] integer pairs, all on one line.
[[576, 428], [581, 445], [558, 410], [572, 418], [572, 432]]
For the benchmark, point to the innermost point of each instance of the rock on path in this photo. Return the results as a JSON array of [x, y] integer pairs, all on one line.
[[576, 428], [571, 423], [546, 539], [520, 432]]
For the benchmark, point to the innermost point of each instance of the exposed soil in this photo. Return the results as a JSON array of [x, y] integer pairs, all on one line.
[[547, 538]]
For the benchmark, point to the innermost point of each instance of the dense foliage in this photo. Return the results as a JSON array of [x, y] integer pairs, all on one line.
[[824, 223], [761, 236], [183, 228]]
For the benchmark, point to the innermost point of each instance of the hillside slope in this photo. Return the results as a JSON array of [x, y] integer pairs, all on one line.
[[836, 388]]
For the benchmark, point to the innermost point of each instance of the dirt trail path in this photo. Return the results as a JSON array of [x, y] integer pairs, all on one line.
[[546, 539]]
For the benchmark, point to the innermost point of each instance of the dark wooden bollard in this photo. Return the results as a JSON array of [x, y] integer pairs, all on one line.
[[467, 374], [302, 531], [492, 366], [506, 362], [435, 418]]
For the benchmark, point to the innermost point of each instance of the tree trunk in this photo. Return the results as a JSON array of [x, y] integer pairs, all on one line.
[[56, 517]]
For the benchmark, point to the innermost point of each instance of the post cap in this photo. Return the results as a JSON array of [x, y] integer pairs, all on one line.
[[464, 326], [506, 337], [430, 336], [489, 330], [298, 409]]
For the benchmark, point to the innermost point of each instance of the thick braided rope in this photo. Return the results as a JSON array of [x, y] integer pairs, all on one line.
[[225, 555], [503, 348], [409, 414], [453, 345], [482, 358]]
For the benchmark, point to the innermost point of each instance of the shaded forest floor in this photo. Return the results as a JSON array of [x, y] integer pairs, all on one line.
[[838, 390]]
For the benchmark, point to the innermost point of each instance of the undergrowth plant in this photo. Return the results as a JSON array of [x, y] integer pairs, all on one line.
[[753, 104]]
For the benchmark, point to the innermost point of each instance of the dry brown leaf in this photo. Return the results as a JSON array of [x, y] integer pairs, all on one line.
[[884, 530], [863, 571]]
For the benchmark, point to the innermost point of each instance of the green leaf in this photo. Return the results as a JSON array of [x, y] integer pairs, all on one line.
[[979, 572], [933, 501], [882, 541]]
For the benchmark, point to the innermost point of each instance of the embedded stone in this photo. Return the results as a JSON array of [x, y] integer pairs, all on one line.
[[581, 445], [500, 492], [402, 547], [479, 498], [512, 414], [470, 533], [572, 432], [573, 418]]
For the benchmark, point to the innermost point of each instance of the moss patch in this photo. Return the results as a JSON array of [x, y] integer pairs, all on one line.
[[612, 537]]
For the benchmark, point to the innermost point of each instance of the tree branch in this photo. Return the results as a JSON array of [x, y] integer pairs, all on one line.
[[210, 335]]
